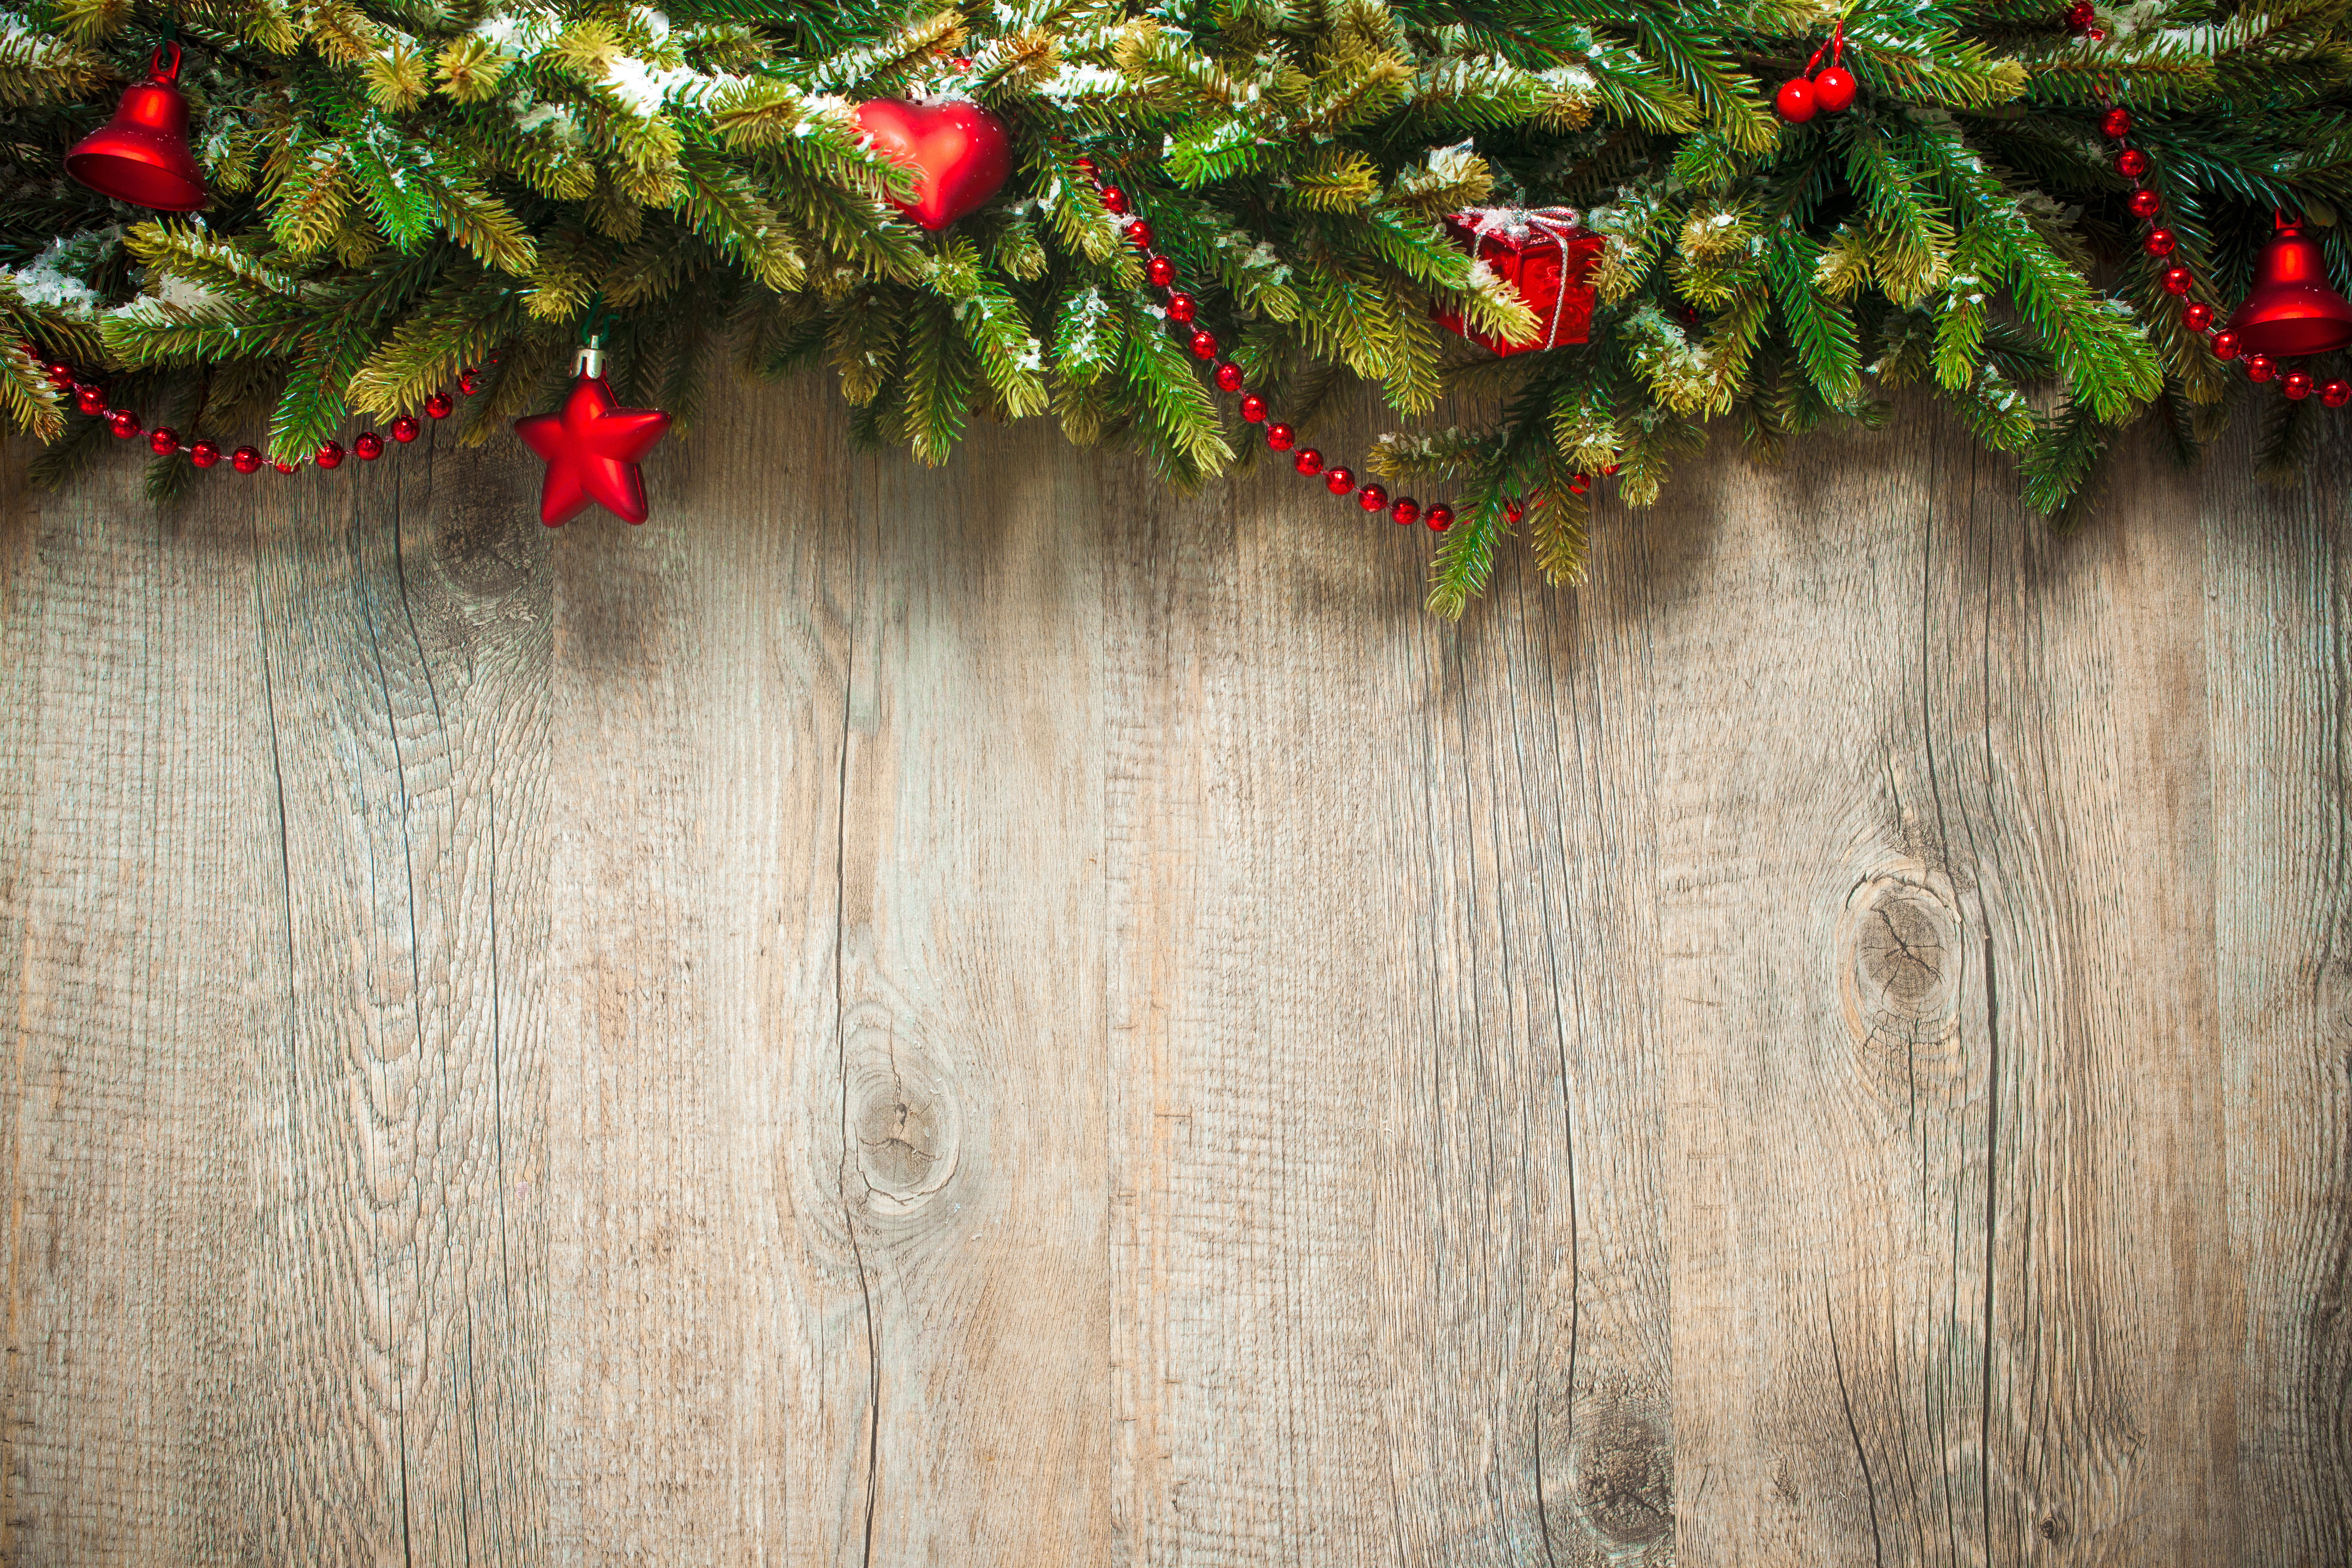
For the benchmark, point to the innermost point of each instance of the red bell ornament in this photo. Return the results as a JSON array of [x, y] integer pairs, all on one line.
[[2290, 311], [142, 156]]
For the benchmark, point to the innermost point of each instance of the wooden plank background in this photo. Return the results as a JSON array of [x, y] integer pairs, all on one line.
[[997, 1016]]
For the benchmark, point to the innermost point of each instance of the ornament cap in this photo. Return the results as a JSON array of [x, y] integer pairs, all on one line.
[[2292, 310], [590, 359]]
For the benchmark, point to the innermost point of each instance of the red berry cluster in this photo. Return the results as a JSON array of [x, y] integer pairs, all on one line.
[[90, 397], [2083, 22], [2160, 242], [1831, 92], [1182, 310]]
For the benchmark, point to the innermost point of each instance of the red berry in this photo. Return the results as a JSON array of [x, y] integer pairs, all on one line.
[[2337, 393], [330, 456], [1308, 462], [468, 381], [1439, 518], [1372, 498], [123, 423], [1086, 166], [1610, 469], [2096, 34], [162, 440], [282, 466], [1794, 100], [1339, 481], [205, 453], [1114, 199], [245, 460], [2131, 164], [1833, 90], [2296, 385], [2160, 241], [2116, 123], [60, 375], [1160, 270], [2261, 367], [2144, 203], [1579, 483], [1279, 436], [1140, 233], [367, 445], [90, 398], [1229, 377], [1181, 307], [1513, 510], [1405, 512], [438, 405], [1254, 409], [2177, 280], [2199, 316], [2225, 345], [404, 428], [1204, 345]]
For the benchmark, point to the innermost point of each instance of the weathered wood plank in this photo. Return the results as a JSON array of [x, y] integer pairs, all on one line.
[[141, 960], [2278, 623], [1392, 1266], [1949, 1252], [403, 616], [254, 953], [710, 1363]]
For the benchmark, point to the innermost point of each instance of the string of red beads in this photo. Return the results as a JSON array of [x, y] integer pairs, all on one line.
[[88, 396], [1182, 309], [2160, 242]]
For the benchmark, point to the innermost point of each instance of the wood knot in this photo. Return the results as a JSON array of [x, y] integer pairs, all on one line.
[[1900, 966], [487, 538], [2053, 1528], [1623, 1473], [903, 1120]]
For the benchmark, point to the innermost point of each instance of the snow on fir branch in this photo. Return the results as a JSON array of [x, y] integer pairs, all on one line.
[[397, 191]]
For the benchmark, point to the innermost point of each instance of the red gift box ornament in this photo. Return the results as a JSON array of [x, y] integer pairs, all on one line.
[[1547, 255]]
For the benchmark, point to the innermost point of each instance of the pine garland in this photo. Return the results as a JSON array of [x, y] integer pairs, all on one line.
[[401, 187]]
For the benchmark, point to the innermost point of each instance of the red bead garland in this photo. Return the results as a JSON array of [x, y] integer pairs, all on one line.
[[1182, 310], [2160, 242], [90, 397]]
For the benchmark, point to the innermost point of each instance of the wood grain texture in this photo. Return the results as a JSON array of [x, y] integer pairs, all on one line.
[[995, 1015]]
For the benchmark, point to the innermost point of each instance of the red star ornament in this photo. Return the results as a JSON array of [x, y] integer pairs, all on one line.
[[591, 447]]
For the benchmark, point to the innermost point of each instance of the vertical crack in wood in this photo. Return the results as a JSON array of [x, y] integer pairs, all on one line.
[[1992, 1210], [1869, 1491], [415, 977], [849, 1133], [285, 848], [1568, 1141]]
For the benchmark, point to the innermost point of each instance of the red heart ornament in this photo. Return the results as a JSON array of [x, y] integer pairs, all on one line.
[[959, 151]]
